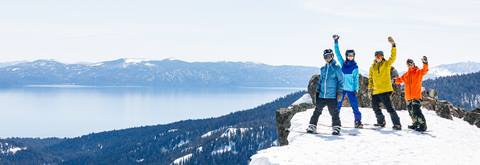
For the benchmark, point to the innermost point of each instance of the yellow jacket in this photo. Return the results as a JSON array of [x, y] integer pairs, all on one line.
[[379, 75]]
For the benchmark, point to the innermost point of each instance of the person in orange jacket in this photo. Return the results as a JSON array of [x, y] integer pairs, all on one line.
[[413, 93]]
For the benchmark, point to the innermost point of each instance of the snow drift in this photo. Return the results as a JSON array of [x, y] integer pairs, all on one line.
[[446, 142]]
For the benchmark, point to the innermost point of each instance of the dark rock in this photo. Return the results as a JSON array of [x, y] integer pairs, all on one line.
[[473, 117], [477, 110], [283, 117], [312, 87], [442, 109]]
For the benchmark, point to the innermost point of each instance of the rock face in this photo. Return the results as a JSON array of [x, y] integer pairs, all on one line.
[[473, 117], [365, 100], [312, 87], [283, 117], [430, 101]]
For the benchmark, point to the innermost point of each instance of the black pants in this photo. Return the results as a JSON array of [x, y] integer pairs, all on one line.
[[332, 108], [415, 112], [385, 99]]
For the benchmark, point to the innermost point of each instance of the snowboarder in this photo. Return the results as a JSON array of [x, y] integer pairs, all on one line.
[[329, 87], [380, 86], [413, 93], [350, 79]]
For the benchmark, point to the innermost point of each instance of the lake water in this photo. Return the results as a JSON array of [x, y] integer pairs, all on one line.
[[69, 111]]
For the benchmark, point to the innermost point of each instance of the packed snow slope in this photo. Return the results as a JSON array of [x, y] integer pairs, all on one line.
[[445, 142]]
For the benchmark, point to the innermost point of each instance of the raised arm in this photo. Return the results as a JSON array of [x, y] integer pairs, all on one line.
[[425, 65], [337, 50], [393, 55]]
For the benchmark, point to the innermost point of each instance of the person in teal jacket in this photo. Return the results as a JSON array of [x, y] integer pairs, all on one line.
[[350, 78], [329, 86]]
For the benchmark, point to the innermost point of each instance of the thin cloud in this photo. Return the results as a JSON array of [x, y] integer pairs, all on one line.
[[462, 13]]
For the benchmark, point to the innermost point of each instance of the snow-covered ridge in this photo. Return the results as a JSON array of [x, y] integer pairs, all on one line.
[[447, 142], [453, 69], [182, 159], [230, 132], [6, 148]]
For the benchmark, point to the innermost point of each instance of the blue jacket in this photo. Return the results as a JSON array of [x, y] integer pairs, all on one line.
[[349, 70], [330, 81]]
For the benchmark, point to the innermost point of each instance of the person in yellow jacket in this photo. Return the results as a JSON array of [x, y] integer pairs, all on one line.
[[380, 86]]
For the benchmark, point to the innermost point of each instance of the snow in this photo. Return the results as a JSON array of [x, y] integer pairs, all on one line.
[[453, 69], [16, 149], [140, 160], [9, 149], [182, 143], [149, 64], [447, 142], [182, 159], [441, 72], [135, 60], [172, 130], [304, 99], [230, 132], [96, 64], [222, 150], [209, 133]]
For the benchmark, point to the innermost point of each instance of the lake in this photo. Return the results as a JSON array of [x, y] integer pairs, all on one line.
[[70, 111]]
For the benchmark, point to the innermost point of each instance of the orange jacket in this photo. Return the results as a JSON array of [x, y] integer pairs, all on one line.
[[413, 82]]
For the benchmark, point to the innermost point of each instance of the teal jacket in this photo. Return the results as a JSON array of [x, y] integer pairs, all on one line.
[[330, 81], [349, 70]]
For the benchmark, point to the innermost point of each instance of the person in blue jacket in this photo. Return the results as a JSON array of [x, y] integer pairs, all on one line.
[[350, 78], [329, 86]]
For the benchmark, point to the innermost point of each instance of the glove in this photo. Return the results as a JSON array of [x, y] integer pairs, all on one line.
[[425, 60], [336, 37], [339, 95], [390, 39]]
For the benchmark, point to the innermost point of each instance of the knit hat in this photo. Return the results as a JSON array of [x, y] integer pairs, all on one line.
[[379, 52]]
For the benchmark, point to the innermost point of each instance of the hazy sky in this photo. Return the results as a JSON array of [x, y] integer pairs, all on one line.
[[278, 32]]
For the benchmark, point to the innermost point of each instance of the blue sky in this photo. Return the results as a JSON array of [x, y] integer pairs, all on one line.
[[277, 32]]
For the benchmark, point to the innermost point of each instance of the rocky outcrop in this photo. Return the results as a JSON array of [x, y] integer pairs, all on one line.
[[312, 87], [283, 117], [473, 117], [365, 100], [430, 101]]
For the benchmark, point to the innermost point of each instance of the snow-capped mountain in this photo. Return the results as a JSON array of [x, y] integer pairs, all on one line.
[[5, 64], [446, 142], [161, 73], [461, 90], [453, 69]]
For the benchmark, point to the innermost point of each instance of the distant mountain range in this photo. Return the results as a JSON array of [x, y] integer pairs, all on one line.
[[163, 73], [461, 90], [453, 69], [229, 139], [171, 73]]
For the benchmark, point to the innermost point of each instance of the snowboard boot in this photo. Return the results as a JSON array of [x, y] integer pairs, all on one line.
[[413, 126], [421, 128], [336, 130], [312, 129], [397, 127], [358, 124], [380, 125]]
